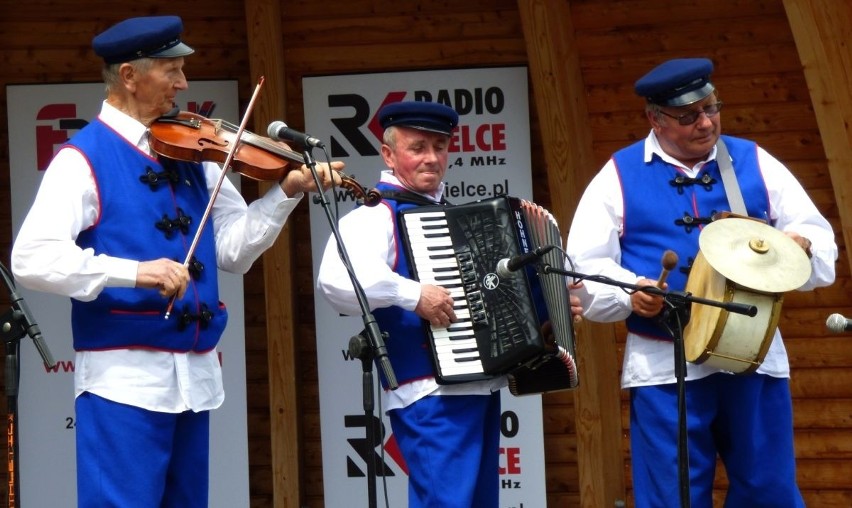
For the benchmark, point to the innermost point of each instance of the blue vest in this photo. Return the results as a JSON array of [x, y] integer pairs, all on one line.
[[662, 214], [407, 342], [140, 218]]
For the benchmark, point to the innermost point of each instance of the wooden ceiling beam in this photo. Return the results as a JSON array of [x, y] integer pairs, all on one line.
[[824, 42]]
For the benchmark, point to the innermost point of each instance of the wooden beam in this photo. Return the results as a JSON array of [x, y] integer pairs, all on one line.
[[560, 98], [823, 35], [266, 58]]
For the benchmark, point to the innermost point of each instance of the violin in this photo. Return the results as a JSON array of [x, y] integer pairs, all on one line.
[[192, 137]]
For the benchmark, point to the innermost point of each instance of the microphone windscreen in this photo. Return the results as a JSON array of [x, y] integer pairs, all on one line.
[[836, 323], [274, 128]]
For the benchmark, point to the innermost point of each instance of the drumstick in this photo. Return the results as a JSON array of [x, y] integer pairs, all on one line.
[[669, 263]]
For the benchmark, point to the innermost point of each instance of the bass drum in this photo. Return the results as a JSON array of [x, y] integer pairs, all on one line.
[[746, 261], [722, 339]]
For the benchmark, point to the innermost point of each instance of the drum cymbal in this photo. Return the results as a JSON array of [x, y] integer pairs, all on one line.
[[755, 255]]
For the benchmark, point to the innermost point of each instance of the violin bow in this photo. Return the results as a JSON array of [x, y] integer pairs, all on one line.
[[215, 192]]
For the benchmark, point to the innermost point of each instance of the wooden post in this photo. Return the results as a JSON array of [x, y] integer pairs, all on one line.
[[560, 99], [266, 57]]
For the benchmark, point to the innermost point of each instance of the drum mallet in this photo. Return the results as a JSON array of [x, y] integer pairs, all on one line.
[[669, 263]]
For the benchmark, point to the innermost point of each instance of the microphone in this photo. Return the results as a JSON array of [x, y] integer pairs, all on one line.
[[669, 263], [507, 266], [279, 131], [838, 324]]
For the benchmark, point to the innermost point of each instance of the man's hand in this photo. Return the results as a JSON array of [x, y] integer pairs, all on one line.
[[301, 180], [435, 306], [170, 277], [574, 300], [647, 304], [802, 242]]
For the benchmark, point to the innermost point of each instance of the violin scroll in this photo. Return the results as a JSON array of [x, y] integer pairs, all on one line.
[[369, 197]]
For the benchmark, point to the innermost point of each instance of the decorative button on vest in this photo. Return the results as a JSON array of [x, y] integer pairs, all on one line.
[[168, 226], [153, 179], [706, 181]]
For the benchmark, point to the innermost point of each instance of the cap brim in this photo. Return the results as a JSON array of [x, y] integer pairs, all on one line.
[[178, 50], [690, 97], [436, 130]]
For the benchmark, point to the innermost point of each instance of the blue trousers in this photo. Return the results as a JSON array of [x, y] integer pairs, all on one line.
[[451, 447], [128, 457], [745, 420]]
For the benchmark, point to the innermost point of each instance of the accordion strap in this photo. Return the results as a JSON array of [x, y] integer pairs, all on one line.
[[405, 196]]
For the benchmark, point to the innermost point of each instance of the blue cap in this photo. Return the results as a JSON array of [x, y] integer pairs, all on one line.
[[677, 82], [427, 116], [145, 37]]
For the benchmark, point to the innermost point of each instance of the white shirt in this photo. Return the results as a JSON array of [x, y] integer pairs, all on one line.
[[369, 236], [45, 258], [593, 247]]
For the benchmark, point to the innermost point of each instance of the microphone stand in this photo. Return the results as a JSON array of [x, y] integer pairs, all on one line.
[[14, 325], [374, 348], [674, 317], [12, 339]]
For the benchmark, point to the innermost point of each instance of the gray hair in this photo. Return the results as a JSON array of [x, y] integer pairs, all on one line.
[[110, 71], [653, 109], [389, 137]]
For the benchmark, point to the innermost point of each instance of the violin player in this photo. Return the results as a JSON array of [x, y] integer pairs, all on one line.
[[110, 228]]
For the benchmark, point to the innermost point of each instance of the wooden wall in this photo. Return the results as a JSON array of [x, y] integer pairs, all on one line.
[[760, 79]]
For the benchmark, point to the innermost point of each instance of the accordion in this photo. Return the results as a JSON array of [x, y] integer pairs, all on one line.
[[518, 324]]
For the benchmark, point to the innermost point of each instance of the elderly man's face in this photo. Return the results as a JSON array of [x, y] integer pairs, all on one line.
[[155, 87], [688, 143], [418, 158]]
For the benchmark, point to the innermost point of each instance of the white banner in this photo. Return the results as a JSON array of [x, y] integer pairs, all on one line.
[[41, 118], [489, 155]]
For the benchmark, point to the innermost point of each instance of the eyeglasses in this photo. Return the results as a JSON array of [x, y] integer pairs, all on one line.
[[691, 117]]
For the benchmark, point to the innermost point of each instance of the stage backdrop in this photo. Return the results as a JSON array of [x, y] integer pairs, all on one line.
[[41, 118], [489, 155]]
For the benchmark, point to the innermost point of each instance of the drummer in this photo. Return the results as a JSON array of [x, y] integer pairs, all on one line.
[[655, 195]]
